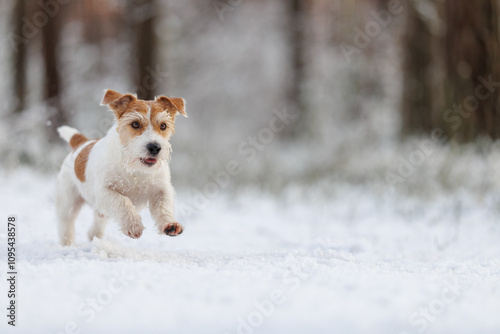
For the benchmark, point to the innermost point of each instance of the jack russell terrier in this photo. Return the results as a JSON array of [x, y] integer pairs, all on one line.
[[120, 173]]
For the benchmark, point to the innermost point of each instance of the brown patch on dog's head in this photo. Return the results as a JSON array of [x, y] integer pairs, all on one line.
[[173, 105], [110, 96], [164, 111], [81, 161], [132, 124], [118, 102], [122, 105]]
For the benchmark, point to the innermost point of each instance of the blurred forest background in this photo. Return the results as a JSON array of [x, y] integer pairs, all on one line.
[[401, 95]]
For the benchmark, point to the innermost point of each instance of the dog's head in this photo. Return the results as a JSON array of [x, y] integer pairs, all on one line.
[[144, 127]]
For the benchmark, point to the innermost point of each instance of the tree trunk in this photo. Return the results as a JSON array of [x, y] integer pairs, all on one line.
[[19, 56], [50, 34], [145, 48], [295, 96], [444, 86], [417, 81], [92, 22], [471, 54]]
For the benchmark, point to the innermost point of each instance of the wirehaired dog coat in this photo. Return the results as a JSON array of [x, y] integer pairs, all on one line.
[[122, 172]]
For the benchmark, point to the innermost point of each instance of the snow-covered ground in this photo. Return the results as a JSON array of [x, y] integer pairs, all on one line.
[[360, 261]]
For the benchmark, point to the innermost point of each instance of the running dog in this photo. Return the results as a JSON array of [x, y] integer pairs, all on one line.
[[122, 172]]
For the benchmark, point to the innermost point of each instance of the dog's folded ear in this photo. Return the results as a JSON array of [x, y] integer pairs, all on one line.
[[173, 105], [117, 101], [110, 96]]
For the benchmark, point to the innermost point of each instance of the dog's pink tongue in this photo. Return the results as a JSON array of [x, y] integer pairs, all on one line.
[[150, 160]]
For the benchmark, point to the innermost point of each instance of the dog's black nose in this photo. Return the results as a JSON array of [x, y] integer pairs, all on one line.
[[153, 148]]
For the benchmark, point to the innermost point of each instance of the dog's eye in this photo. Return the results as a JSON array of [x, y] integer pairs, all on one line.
[[135, 125], [163, 126]]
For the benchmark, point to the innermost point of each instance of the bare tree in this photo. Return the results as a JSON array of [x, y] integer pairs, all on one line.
[[472, 51], [19, 55], [450, 75], [50, 34], [417, 81], [91, 11], [296, 27], [145, 47]]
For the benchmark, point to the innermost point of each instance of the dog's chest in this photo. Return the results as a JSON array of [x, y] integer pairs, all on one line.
[[138, 189]]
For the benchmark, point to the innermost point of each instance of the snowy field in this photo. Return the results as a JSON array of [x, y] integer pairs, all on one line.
[[360, 261]]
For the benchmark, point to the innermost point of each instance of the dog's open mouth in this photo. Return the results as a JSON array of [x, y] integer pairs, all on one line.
[[149, 161]]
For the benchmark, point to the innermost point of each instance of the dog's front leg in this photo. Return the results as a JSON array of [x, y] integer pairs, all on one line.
[[121, 208], [161, 206]]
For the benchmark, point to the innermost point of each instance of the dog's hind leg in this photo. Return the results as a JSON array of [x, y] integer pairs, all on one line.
[[68, 202], [97, 229]]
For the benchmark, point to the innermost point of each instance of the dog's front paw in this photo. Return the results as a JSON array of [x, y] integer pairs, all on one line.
[[172, 229], [133, 229]]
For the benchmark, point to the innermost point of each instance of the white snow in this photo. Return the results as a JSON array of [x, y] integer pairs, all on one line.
[[358, 261]]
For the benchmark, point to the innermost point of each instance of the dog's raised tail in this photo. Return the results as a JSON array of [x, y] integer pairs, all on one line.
[[72, 136]]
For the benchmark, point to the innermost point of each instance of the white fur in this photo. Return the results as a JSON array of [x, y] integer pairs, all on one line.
[[67, 132], [117, 185]]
